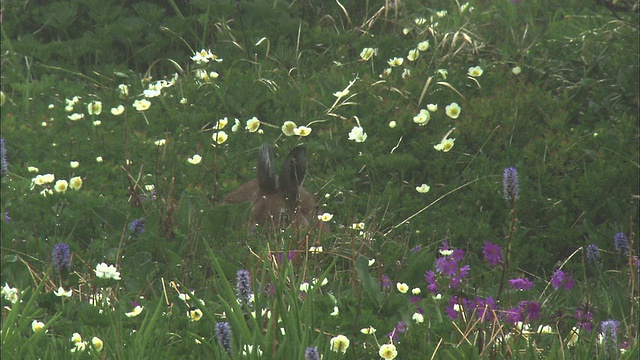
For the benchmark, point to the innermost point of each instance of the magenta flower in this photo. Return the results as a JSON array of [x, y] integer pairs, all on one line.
[[492, 253], [560, 278], [521, 284]]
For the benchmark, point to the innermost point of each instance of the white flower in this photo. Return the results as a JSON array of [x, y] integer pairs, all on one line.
[[141, 105], [76, 117], [76, 338], [304, 287], [443, 73], [388, 351], [402, 287], [195, 160], [423, 46], [420, 21], [406, 73], [367, 53], [423, 189], [105, 271], [74, 164], [369, 330], [97, 123], [445, 145], [302, 131], [475, 71], [253, 124], [416, 291], [61, 186], [335, 312], [325, 217], [339, 343], [33, 169], [75, 183], [392, 124], [151, 93], [396, 61], [418, 318], [99, 159], [289, 128], [422, 118], [371, 262], [220, 137], [160, 142], [97, 343], [37, 325], [413, 54], [357, 134], [124, 90], [516, 70], [135, 312], [315, 249], [94, 108], [61, 292], [432, 107], [453, 110], [117, 110]]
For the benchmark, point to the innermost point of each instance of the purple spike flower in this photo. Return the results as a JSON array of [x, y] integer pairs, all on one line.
[[592, 252], [136, 227], [621, 243], [243, 287], [510, 183], [61, 256], [223, 333], [312, 354], [4, 167]]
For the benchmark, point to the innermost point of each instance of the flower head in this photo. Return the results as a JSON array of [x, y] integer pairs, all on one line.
[[610, 332], [61, 256], [105, 271], [413, 54], [195, 159], [510, 184], [423, 189], [621, 243], [560, 278], [521, 284], [367, 53], [97, 343], [117, 110], [61, 292], [453, 110], [220, 137], [325, 217], [37, 325], [445, 144], [396, 61], [253, 124], [311, 354], [135, 312], [302, 131], [402, 287], [243, 287], [136, 227], [388, 351], [357, 134], [592, 253], [194, 314], [288, 128], [423, 46], [223, 334], [422, 118], [492, 253], [9, 293], [339, 343], [76, 116], [75, 183], [475, 71], [94, 108]]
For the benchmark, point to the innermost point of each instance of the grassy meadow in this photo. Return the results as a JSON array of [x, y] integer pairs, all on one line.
[[475, 167]]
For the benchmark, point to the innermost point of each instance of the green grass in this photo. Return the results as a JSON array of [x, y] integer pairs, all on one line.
[[567, 122]]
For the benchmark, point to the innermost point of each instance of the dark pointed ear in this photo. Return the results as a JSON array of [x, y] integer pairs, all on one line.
[[292, 175], [266, 170]]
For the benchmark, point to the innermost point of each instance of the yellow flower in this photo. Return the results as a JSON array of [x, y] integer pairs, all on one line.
[[368, 330], [160, 142], [75, 183], [339, 343], [97, 343], [288, 128], [195, 314], [445, 145], [220, 137], [76, 117], [413, 54], [141, 105], [253, 124], [402, 287], [94, 108], [325, 217], [61, 186], [136, 311], [475, 71], [388, 351], [76, 338], [441, 14], [33, 169], [453, 110], [423, 189], [74, 164], [117, 110], [302, 131], [195, 160], [422, 118], [367, 53], [423, 46], [221, 123], [37, 325], [396, 61]]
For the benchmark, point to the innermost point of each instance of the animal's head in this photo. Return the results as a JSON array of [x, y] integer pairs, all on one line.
[[278, 199]]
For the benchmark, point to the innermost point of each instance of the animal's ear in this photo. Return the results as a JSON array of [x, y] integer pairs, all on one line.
[[292, 175], [266, 170]]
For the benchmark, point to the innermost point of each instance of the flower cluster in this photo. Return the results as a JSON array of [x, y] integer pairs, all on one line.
[[449, 268], [243, 287], [561, 279], [136, 227], [61, 256], [510, 183], [223, 334]]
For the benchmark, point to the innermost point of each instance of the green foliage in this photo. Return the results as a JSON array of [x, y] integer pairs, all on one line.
[[557, 99]]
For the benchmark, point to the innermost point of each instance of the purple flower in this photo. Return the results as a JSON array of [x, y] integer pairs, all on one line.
[[464, 271], [430, 277], [433, 288], [416, 249], [223, 333], [136, 227], [446, 266], [585, 319], [530, 310], [312, 354], [269, 290], [450, 309], [512, 316], [61, 256], [401, 327], [610, 332], [621, 243], [454, 282], [485, 308], [592, 252], [559, 278], [521, 284], [385, 283], [492, 253], [7, 218], [4, 167], [243, 287], [510, 183]]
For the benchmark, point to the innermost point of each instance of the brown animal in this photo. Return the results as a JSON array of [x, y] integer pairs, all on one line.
[[278, 200]]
